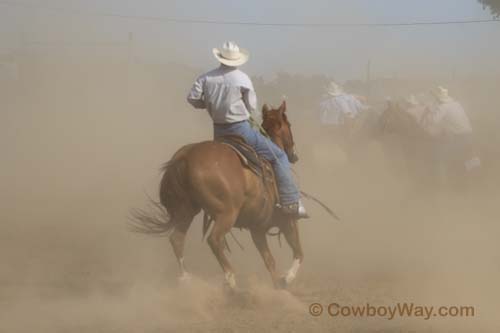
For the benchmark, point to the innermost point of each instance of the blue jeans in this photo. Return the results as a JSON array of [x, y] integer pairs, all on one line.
[[287, 189]]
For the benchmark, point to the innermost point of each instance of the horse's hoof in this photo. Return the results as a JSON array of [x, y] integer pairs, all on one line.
[[281, 283], [185, 278], [229, 287], [230, 282], [230, 291]]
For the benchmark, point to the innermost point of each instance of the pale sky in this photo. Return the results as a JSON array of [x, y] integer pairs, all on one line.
[[339, 51]]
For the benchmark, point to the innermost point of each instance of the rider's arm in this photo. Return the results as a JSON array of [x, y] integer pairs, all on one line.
[[195, 96], [248, 95], [250, 99]]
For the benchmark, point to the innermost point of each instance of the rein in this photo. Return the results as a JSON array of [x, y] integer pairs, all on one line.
[[319, 202]]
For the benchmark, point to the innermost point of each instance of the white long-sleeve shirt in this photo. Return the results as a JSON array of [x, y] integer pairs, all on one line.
[[448, 118], [334, 109], [226, 92]]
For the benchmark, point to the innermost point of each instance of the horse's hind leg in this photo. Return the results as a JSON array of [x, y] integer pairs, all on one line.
[[222, 224], [177, 239]]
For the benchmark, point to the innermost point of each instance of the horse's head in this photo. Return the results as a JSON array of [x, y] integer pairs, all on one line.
[[395, 120], [390, 117], [276, 124]]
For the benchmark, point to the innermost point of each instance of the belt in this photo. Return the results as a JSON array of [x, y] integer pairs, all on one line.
[[229, 124]]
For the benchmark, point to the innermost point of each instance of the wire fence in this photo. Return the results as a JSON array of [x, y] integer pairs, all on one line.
[[246, 23]]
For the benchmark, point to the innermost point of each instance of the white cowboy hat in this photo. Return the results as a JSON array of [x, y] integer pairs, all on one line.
[[231, 55], [334, 89], [442, 95], [412, 100]]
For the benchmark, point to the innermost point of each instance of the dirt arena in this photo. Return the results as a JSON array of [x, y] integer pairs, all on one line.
[[82, 145]]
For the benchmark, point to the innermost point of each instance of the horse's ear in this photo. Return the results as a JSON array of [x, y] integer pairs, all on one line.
[[265, 110], [283, 106]]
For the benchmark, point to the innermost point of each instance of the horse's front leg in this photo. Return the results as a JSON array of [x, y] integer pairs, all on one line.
[[291, 232], [260, 240]]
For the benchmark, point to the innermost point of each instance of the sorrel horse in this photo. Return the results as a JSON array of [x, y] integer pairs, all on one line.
[[210, 176]]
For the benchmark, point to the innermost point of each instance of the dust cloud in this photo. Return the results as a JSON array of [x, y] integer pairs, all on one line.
[[82, 140]]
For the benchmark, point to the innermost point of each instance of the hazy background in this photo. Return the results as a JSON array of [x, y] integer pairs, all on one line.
[[42, 27], [91, 106]]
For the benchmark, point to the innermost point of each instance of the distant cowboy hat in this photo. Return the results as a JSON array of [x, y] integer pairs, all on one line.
[[442, 95], [231, 55], [412, 100], [334, 89]]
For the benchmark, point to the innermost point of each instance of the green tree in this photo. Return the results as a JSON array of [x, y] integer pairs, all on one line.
[[493, 5]]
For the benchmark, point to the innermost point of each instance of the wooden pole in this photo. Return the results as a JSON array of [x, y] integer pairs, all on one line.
[[368, 79]]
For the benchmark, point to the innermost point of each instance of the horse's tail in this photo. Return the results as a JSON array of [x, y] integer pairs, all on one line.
[[175, 205]]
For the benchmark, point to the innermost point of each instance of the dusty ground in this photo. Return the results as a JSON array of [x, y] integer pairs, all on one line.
[[78, 154]]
